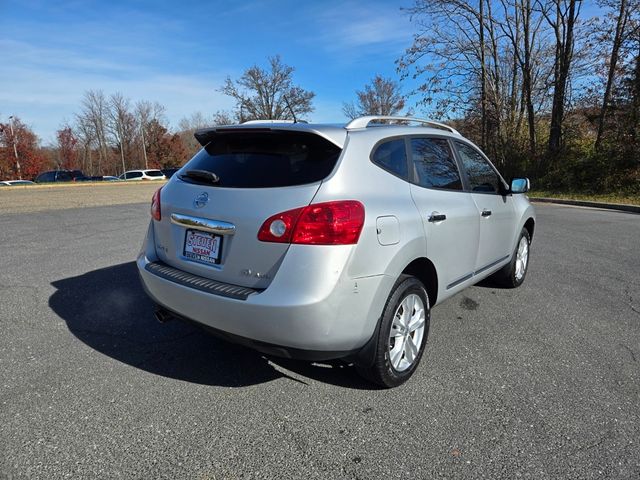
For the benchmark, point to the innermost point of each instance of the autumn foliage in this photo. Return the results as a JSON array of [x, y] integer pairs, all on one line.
[[67, 148], [30, 157]]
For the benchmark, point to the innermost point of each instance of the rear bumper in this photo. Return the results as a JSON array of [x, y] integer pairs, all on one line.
[[309, 311], [268, 348]]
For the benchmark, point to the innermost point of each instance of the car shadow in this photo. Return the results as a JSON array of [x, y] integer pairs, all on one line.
[[108, 310]]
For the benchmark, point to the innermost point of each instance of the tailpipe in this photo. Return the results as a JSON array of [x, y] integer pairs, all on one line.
[[162, 315]]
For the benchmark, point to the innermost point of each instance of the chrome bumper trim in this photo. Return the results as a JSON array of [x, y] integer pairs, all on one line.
[[204, 224]]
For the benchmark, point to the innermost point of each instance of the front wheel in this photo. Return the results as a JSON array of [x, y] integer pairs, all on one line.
[[513, 274], [402, 335]]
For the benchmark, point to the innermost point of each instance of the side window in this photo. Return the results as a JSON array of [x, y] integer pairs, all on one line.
[[134, 175], [481, 175], [392, 157], [46, 177], [434, 165]]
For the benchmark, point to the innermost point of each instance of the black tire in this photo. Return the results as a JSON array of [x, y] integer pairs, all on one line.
[[506, 276], [382, 371]]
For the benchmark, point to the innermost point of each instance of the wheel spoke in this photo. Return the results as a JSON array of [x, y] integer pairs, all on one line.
[[406, 312], [410, 350], [395, 355], [397, 329], [417, 321]]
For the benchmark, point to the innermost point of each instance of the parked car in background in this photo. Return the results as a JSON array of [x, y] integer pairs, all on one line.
[[110, 178], [142, 175], [168, 172], [321, 242], [6, 183], [93, 178], [59, 176]]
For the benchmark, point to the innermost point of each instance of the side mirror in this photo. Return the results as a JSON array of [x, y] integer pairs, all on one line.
[[520, 185]]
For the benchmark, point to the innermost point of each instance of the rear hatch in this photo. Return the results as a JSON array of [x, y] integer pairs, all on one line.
[[221, 197]]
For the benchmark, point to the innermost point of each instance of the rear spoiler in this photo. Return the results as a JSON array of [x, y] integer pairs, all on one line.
[[205, 135]]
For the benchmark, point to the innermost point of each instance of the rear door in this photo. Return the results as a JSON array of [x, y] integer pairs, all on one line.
[[495, 210], [261, 173], [448, 213]]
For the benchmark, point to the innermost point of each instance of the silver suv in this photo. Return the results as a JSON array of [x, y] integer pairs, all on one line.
[[320, 242]]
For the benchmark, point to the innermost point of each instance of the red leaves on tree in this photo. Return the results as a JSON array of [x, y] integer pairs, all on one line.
[[31, 159], [67, 149]]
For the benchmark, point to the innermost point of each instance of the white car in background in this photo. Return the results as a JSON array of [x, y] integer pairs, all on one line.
[[142, 175], [15, 182]]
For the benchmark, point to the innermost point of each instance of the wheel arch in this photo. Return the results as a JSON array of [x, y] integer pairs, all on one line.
[[424, 270], [530, 226]]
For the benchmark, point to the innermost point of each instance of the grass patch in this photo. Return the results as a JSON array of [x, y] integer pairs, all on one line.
[[628, 199]]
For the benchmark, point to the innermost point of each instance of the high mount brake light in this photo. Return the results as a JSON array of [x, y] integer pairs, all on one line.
[[156, 213], [328, 223]]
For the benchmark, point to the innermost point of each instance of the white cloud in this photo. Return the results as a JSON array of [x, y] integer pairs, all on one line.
[[45, 93], [359, 29]]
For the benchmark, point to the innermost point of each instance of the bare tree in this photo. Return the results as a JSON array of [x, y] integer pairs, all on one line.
[[268, 94], [381, 97], [87, 138], [522, 25], [562, 17], [93, 117], [122, 124], [147, 113], [621, 23]]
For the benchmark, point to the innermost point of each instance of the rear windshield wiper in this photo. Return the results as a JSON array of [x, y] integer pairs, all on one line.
[[201, 176]]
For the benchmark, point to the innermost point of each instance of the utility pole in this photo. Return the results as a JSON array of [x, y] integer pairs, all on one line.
[[15, 149], [144, 147], [124, 169]]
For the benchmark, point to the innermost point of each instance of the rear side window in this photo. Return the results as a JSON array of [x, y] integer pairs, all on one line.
[[247, 159], [64, 177], [481, 175], [154, 173], [46, 177], [392, 156], [134, 174], [434, 165]]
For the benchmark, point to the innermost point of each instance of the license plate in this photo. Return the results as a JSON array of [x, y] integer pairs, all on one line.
[[202, 246]]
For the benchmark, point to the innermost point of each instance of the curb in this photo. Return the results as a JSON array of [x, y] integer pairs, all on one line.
[[583, 203]]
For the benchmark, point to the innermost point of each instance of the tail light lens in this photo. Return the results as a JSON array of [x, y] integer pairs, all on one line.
[[156, 214], [329, 223]]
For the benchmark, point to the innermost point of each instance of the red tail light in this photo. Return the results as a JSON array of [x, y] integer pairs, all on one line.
[[329, 223], [156, 214]]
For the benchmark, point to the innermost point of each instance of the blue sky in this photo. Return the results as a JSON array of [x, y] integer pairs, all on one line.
[[179, 52]]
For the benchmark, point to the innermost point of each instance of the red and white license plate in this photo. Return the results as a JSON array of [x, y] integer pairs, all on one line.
[[202, 246]]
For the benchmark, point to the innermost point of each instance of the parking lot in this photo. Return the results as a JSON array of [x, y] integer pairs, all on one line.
[[537, 382]]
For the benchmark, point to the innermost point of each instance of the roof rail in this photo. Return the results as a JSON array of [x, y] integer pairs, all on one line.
[[258, 122], [363, 122]]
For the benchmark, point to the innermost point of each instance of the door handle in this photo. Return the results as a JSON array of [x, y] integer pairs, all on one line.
[[486, 213], [437, 217]]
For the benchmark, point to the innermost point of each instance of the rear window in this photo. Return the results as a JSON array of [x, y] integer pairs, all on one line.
[[266, 159], [154, 173]]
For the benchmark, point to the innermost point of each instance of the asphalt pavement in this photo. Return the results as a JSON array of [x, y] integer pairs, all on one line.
[[538, 382]]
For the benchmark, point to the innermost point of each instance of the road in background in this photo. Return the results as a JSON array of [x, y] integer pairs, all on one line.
[[539, 382]]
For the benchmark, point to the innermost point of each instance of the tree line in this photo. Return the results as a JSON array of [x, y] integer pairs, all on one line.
[[544, 89], [541, 87]]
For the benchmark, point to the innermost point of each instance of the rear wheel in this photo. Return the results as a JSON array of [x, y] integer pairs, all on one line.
[[402, 335], [513, 274]]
